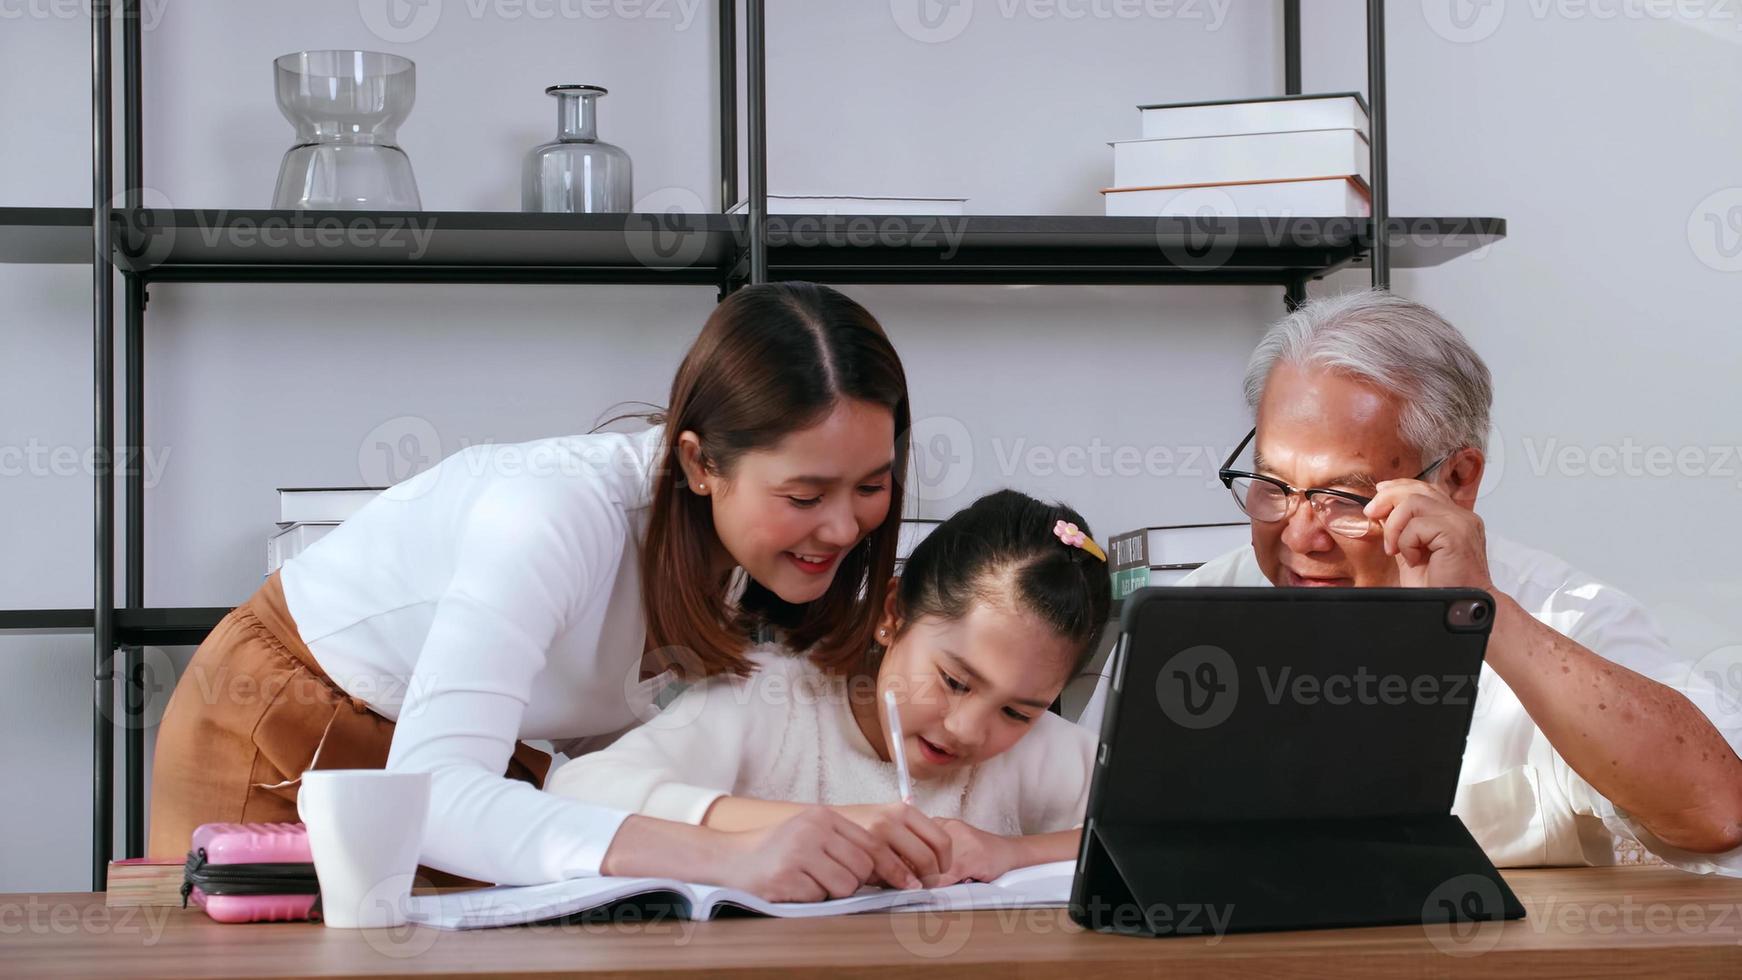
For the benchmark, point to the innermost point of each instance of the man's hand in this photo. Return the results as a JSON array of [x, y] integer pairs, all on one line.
[[1437, 543]]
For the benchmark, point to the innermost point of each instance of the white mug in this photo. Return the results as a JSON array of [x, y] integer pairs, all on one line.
[[365, 829]]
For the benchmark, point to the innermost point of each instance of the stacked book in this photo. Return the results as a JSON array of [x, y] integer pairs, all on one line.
[[308, 514], [1301, 155], [1165, 555], [144, 881]]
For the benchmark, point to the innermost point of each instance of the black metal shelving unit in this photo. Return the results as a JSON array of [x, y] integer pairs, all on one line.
[[724, 250]]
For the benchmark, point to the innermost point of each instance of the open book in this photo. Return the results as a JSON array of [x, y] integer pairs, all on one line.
[[1039, 886]]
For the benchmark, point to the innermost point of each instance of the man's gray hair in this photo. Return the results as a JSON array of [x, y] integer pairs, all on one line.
[[1393, 344]]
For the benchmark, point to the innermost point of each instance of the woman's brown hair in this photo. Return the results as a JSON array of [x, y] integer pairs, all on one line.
[[772, 360]]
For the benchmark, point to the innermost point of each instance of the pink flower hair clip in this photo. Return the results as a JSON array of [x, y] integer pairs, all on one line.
[[1074, 537]]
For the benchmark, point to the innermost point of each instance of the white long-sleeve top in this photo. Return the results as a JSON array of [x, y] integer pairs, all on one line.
[[787, 733], [1520, 800], [493, 598]]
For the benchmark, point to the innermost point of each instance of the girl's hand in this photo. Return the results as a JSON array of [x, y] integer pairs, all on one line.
[[813, 856], [913, 849], [979, 856]]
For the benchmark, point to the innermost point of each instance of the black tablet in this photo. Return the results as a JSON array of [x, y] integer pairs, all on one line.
[[1287, 759]]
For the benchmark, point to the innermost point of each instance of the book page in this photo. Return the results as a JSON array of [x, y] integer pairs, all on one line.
[[709, 898], [505, 905], [1034, 887]]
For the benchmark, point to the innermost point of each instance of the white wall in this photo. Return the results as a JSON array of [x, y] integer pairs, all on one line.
[[1597, 139]]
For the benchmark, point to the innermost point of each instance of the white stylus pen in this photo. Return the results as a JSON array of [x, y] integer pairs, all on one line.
[[897, 740]]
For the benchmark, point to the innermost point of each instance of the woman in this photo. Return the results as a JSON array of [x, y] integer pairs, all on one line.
[[549, 590]]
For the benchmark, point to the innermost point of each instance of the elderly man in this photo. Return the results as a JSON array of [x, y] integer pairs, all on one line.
[[1372, 411]]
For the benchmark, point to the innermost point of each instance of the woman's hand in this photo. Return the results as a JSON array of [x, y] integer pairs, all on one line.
[[914, 850], [979, 856]]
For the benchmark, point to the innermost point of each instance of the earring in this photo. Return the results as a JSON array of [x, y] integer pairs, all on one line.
[[701, 488], [882, 632]]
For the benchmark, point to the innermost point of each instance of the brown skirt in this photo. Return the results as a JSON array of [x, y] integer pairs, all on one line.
[[245, 722]]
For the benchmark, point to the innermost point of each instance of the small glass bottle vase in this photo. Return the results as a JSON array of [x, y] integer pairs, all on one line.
[[578, 173], [347, 107]]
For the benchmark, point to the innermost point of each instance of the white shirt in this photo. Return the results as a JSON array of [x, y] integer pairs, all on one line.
[[1518, 797], [787, 733], [493, 598]]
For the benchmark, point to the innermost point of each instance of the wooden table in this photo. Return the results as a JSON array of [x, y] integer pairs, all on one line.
[[1582, 923]]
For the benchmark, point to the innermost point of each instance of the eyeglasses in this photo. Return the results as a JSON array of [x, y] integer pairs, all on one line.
[[1268, 500]]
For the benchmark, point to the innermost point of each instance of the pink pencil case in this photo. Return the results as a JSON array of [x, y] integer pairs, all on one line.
[[252, 872]]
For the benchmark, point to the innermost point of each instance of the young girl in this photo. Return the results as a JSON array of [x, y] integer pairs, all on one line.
[[538, 591], [995, 611]]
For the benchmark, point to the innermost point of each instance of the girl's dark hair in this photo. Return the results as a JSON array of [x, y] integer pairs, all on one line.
[[1002, 548], [771, 360]]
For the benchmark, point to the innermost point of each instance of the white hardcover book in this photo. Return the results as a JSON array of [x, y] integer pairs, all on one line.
[[288, 542], [1331, 197], [823, 204], [1189, 120], [322, 505], [1255, 158], [1039, 886]]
